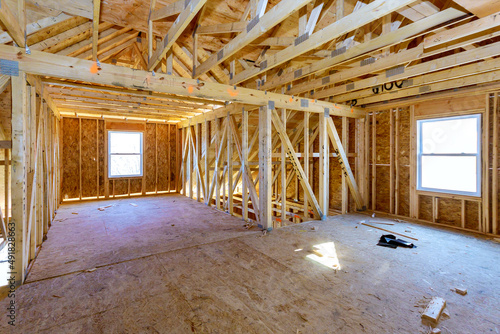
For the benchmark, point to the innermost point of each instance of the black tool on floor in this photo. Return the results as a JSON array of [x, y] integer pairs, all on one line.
[[389, 240]]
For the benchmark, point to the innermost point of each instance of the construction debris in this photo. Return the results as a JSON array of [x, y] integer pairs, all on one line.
[[133, 204], [434, 309], [435, 331], [102, 208], [372, 222], [382, 229], [460, 291]]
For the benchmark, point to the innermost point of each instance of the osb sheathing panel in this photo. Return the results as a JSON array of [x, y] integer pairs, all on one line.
[[335, 196], [149, 155], [6, 111], [403, 160], [404, 191], [121, 186], [383, 137], [472, 215], [449, 211], [89, 157], [382, 186], [162, 156], [71, 157], [135, 186], [425, 208]]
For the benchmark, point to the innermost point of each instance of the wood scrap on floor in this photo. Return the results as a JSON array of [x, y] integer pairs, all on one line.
[[379, 228], [434, 309], [102, 208]]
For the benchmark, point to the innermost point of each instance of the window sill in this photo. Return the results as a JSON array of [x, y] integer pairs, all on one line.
[[447, 195]]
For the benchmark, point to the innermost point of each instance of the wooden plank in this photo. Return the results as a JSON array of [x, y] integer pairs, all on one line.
[[324, 164], [265, 177], [306, 159], [391, 161], [5, 144], [168, 10], [95, 27], [70, 68], [345, 143], [244, 161], [265, 23], [296, 165], [481, 8], [19, 173], [365, 15], [222, 28], [13, 23], [485, 223], [6, 183], [495, 171], [344, 163], [283, 171], [434, 309], [180, 24]]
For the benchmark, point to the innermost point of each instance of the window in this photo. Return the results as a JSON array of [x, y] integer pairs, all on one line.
[[124, 154], [449, 159]]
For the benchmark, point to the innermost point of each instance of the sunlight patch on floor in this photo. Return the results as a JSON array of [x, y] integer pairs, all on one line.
[[325, 254]]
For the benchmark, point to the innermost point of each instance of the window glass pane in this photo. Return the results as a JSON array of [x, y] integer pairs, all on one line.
[[125, 142], [456, 135], [125, 165], [449, 173]]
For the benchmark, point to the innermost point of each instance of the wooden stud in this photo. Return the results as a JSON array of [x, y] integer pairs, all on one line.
[[306, 160], [374, 161], [345, 143], [324, 164], [265, 179], [283, 172], [391, 161], [494, 177]]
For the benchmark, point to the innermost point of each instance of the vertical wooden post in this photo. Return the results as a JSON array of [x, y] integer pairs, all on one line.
[[207, 169], [486, 165], [374, 160], [265, 164], [184, 165], [324, 165], [494, 176], [244, 162], [306, 160], [345, 143], [366, 159], [413, 165], [6, 185], [217, 157], [396, 164], [391, 161], [169, 159], [229, 165], [283, 172], [97, 152], [106, 162], [19, 172], [197, 153]]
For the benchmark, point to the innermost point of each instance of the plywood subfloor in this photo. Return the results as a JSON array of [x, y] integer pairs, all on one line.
[[128, 270]]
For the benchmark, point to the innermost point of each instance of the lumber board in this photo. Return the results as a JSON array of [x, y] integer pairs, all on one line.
[[78, 69]]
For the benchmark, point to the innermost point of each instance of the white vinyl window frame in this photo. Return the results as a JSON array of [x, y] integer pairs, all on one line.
[[477, 155], [139, 154]]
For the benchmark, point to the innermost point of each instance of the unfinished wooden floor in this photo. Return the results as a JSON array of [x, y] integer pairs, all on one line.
[[172, 265]]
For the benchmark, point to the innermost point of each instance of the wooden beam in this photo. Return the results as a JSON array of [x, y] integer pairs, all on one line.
[[95, 28], [474, 27], [180, 24], [365, 15], [41, 63], [223, 28], [273, 17], [481, 8], [5, 144], [168, 10], [344, 163], [13, 23]]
